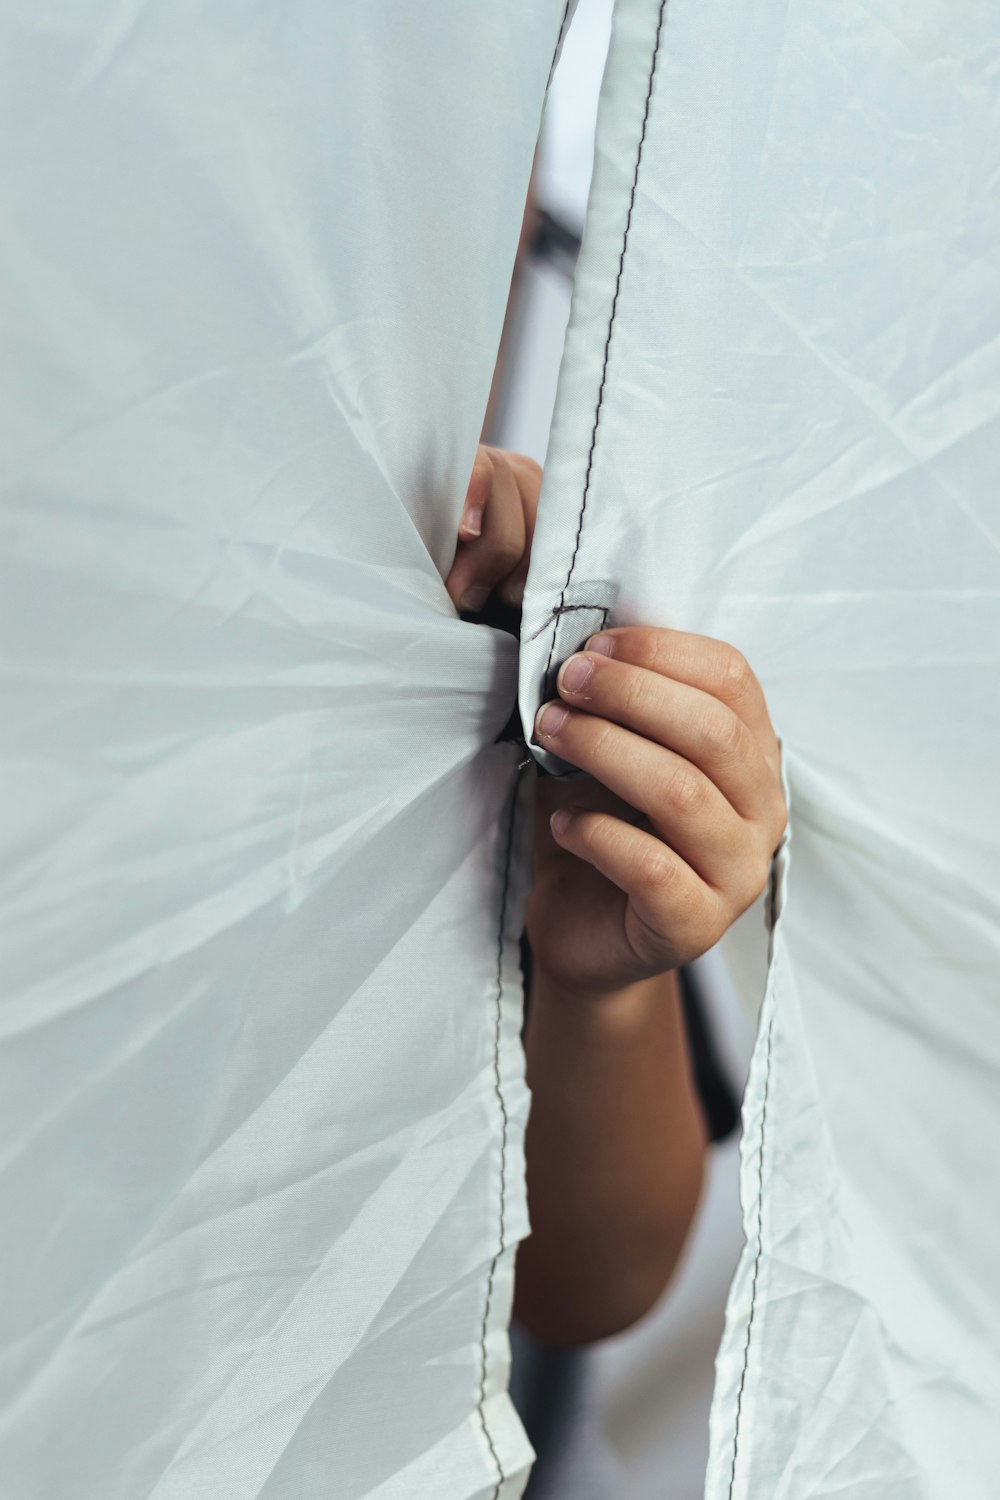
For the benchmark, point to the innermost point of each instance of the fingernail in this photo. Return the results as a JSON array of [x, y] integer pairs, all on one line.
[[560, 821], [472, 520], [603, 644], [513, 593], [550, 719], [473, 599], [575, 674]]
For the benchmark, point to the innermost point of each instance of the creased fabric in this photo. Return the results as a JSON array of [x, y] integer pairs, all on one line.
[[260, 1074], [777, 424]]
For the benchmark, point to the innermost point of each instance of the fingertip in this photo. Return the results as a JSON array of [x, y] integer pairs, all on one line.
[[473, 599], [471, 524], [574, 674], [549, 719], [512, 593], [603, 645], [560, 822]]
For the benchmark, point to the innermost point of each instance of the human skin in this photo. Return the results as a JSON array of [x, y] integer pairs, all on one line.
[[638, 869]]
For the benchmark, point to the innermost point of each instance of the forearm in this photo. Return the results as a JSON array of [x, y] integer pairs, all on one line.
[[615, 1154]]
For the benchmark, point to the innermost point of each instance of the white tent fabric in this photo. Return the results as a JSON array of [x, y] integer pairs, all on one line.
[[262, 1093], [260, 1080], [777, 424]]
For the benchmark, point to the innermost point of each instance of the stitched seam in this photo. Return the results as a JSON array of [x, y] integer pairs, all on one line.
[[508, 863], [611, 322], [760, 1240], [570, 609], [559, 42]]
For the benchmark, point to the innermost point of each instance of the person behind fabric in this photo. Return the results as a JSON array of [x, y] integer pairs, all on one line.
[[638, 869]]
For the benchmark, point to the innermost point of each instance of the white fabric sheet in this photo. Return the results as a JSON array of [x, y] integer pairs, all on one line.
[[260, 1078], [778, 424]]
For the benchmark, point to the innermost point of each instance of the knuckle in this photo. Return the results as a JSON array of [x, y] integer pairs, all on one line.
[[602, 738], [532, 472], [735, 677], [697, 922], [723, 733], [752, 884], [684, 791], [657, 870], [505, 555], [758, 879], [634, 694], [654, 649]]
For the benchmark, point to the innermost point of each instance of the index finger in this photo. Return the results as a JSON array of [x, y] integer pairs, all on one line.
[[698, 660]]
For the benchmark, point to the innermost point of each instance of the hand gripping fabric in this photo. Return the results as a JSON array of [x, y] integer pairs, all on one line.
[[777, 424]]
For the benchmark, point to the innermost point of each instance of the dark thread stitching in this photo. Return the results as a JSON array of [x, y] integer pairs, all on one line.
[[611, 322], [559, 42], [569, 609], [760, 1240], [498, 1089]]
